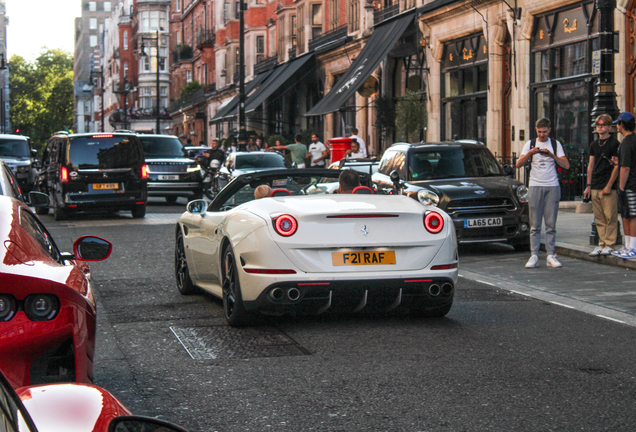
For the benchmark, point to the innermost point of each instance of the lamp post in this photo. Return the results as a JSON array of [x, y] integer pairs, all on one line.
[[122, 91], [3, 67], [101, 85], [143, 54], [242, 135]]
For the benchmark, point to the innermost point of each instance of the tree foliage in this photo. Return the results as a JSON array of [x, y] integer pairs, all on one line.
[[190, 88], [42, 94], [411, 117]]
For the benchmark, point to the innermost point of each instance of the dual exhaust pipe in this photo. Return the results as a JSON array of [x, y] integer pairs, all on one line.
[[445, 289], [279, 294]]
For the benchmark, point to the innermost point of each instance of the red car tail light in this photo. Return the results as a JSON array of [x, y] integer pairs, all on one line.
[[64, 175], [444, 266], [144, 171], [433, 222], [41, 307], [269, 271], [102, 136], [285, 225], [7, 307]]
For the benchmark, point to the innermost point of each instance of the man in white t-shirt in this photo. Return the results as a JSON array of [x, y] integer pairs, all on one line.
[[544, 190], [317, 152], [363, 145]]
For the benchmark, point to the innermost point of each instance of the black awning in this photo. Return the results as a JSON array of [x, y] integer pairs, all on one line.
[[281, 75], [381, 42], [229, 110]]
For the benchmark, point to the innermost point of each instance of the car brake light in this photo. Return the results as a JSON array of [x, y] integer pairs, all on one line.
[[433, 222], [444, 266], [64, 175], [144, 171], [269, 271], [285, 225], [103, 136]]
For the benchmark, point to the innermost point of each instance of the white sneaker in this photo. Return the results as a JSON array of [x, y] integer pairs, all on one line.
[[533, 262], [620, 251], [552, 261], [597, 251], [607, 250]]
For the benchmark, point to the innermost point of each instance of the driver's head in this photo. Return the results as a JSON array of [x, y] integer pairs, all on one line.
[[262, 191], [349, 180]]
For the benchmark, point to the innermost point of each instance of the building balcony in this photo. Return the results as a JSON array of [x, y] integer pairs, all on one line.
[[380, 15], [182, 52], [330, 36], [206, 38], [265, 64]]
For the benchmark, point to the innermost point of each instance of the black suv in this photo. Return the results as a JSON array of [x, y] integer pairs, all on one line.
[[94, 171], [17, 152], [171, 172], [465, 180]]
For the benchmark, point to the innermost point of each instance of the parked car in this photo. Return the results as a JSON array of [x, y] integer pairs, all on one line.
[[70, 407], [47, 306], [303, 250], [93, 172], [17, 152], [466, 181], [171, 173]]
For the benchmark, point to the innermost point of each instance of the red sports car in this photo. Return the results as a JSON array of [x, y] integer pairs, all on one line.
[[47, 308]]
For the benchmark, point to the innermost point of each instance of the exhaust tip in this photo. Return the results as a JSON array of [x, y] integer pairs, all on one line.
[[293, 294], [447, 289], [434, 290], [276, 294]]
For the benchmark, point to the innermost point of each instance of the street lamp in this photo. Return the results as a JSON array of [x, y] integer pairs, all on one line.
[[123, 90], [101, 84], [3, 67], [143, 54]]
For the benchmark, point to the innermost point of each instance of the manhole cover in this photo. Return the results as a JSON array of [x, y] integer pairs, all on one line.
[[222, 342]]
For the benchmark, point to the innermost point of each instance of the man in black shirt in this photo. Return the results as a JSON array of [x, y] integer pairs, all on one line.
[[627, 183], [602, 173]]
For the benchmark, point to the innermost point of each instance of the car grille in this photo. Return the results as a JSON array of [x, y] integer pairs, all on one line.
[[168, 167], [481, 203]]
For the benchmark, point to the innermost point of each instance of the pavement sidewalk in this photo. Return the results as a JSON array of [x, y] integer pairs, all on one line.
[[573, 238]]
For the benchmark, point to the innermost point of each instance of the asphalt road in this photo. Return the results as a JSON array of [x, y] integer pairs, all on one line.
[[500, 361]]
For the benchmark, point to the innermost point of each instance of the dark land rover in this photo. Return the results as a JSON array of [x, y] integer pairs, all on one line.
[[92, 172], [466, 181]]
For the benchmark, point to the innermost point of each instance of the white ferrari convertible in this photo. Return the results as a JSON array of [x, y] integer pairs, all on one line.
[[303, 250]]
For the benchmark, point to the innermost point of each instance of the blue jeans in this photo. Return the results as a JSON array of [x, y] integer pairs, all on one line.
[[544, 207]]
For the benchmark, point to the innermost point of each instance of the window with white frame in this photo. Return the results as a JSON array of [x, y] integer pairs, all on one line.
[[152, 21], [188, 76], [126, 40], [107, 6], [92, 6], [92, 41], [146, 100], [106, 23], [260, 44], [92, 23], [178, 6]]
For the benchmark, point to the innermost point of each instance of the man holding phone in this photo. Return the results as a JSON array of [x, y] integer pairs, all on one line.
[[544, 190]]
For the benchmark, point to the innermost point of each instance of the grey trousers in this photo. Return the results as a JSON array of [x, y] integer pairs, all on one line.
[[544, 207]]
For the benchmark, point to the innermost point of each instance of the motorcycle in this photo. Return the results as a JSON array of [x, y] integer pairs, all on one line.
[[211, 177]]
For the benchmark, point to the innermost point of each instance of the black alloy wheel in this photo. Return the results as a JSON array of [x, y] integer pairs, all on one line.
[[59, 213], [184, 283], [138, 212], [235, 312]]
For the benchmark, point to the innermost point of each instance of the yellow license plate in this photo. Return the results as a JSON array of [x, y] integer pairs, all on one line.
[[106, 186], [363, 258]]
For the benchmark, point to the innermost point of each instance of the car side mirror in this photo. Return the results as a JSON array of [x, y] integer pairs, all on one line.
[[38, 199], [91, 248], [34, 153], [197, 207], [395, 179], [139, 423]]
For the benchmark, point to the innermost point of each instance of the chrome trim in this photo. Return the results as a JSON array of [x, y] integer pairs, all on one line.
[[363, 302]]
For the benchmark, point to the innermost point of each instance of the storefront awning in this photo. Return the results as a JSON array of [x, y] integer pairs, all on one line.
[[381, 42], [280, 76], [228, 109]]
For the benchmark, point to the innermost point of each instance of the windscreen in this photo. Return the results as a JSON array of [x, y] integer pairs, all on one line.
[[452, 162], [259, 160], [162, 147], [103, 153], [14, 147]]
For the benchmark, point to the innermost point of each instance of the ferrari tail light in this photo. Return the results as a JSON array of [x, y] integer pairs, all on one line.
[[64, 175], [444, 266], [433, 222], [7, 307], [144, 171], [41, 307], [285, 225]]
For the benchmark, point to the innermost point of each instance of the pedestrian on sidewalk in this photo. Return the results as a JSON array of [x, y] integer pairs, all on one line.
[[298, 150], [602, 172], [543, 154], [627, 183]]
